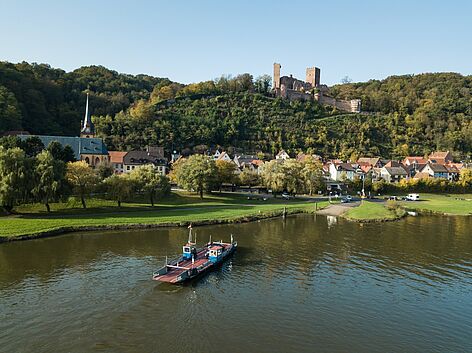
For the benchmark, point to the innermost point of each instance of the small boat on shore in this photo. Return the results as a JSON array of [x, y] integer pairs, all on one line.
[[194, 261]]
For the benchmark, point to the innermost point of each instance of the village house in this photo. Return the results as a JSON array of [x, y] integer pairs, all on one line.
[[436, 170], [282, 155], [302, 157], [413, 168], [393, 174], [341, 171], [152, 155], [216, 155], [116, 161], [247, 162], [440, 157], [223, 156], [414, 160]]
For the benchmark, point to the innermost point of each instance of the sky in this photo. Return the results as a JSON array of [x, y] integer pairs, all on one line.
[[198, 40]]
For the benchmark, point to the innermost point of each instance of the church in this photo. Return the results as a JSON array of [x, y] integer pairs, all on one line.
[[86, 148]]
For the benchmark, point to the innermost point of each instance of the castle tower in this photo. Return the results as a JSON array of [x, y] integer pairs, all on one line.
[[276, 80], [88, 129], [313, 76], [310, 76]]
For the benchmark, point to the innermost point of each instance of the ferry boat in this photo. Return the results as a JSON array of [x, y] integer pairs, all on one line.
[[194, 261]]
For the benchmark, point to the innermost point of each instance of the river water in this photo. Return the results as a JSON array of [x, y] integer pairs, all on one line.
[[306, 284]]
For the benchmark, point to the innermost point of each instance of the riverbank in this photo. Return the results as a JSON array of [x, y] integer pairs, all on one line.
[[382, 211], [370, 211], [444, 204], [180, 209]]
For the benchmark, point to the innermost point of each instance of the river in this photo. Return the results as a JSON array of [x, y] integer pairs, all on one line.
[[306, 284]]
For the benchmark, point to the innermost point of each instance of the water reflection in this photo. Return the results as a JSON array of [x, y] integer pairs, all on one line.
[[301, 284]]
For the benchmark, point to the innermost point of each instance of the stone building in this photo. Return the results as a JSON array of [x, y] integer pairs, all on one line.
[[311, 89]]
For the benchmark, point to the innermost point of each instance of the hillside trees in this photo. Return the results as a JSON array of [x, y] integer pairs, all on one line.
[[410, 114], [10, 114]]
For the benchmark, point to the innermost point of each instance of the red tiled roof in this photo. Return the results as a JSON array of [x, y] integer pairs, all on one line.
[[419, 160], [368, 161], [439, 154], [116, 156], [366, 168]]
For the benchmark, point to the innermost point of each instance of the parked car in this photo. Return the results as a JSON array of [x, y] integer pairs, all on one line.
[[286, 196], [349, 197], [344, 200], [394, 198], [413, 197]]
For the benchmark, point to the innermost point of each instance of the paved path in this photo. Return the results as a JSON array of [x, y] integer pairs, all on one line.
[[337, 209]]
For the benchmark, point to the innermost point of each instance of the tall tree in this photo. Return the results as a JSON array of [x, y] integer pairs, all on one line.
[[273, 176], [249, 178], [293, 176], [14, 177], [59, 152], [104, 170], [225, 172], [82, 178], [119, 187], [49, 178], [313, 175], [32, 146], [263, 84], [151, 182], [198, 173]]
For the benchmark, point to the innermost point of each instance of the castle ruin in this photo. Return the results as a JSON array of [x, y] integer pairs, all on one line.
[[291, 88]]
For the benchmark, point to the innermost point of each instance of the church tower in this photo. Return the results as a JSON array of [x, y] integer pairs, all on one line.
[[87, 128]]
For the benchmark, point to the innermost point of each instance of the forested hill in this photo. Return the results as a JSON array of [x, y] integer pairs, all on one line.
[[44, 100], [408, 114]]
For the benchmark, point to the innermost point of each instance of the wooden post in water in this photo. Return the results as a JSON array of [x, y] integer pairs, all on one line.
[[284, 214]]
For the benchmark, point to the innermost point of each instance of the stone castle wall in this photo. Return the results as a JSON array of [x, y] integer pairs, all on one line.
[[293, 89]]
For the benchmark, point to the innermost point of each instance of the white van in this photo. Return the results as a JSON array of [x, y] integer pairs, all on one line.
[[413, 197]]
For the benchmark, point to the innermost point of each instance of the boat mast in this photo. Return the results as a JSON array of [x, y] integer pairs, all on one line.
[[190, 234]]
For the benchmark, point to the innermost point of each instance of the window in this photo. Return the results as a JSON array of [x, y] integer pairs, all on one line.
[[127, 167]]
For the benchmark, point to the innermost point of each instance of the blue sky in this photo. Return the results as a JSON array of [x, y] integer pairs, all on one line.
[[190, 41]]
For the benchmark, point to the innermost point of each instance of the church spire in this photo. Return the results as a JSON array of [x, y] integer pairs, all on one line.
[[88, 129]]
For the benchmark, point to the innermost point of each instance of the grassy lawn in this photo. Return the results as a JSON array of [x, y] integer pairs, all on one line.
[[370, 211], [453, 204], [178, 208], [139, 202]]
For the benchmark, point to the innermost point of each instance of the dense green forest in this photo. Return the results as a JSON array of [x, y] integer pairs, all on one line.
[[44, 100], [411, 114]]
